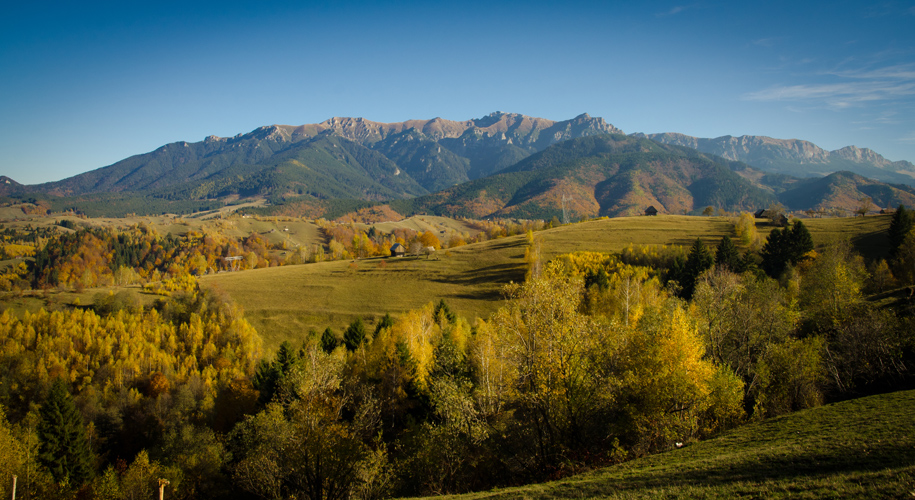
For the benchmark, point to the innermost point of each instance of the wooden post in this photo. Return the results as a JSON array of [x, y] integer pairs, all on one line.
[[14, 487], [162, 484]]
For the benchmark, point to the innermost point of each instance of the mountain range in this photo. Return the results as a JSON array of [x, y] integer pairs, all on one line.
[[502, 164], [795, 157]]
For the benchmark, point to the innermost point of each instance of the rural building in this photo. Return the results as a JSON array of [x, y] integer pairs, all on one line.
[[397, 250], [761, 214], [651, 210]]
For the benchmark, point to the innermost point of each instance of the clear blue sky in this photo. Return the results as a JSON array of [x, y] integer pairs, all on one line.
[[85, 84]]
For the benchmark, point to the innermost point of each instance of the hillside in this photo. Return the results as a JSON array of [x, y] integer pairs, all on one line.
[[845, 189], [607, 175], [862, 448], [325, 159], [496, 165], [470, 278]]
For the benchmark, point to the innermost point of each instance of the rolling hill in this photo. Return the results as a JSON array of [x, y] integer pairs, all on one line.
[[845, 189], [606, 175], [469, 277]]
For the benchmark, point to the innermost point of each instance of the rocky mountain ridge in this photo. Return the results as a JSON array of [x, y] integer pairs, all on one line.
[[359, 159], [795, 157]]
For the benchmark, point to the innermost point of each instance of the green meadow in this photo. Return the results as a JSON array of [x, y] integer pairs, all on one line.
[[285, 303]]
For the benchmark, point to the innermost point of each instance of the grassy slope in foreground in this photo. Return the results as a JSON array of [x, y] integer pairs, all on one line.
[[283, 303], [862, 448]]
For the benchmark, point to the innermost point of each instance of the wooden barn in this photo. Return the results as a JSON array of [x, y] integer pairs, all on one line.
[[651, 210], [398, 250]]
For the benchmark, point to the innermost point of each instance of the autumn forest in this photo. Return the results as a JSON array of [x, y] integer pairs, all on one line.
[[595, 358]]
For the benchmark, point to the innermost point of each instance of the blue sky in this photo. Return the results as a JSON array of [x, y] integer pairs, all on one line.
[[83, 86]]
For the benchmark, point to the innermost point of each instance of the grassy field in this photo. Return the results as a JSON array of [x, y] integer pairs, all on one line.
[[863, 448], [286, 302]]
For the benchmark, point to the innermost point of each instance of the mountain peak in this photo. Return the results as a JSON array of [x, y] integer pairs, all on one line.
[[860, 155]]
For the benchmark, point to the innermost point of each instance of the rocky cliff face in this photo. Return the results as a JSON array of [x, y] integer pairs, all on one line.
[[441, 152], [860, 155], [516, 129], [748, 146]]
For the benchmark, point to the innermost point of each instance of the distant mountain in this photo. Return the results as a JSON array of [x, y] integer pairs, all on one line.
[[599, 175], [396, 159], [441, 153], [845, 190], [500, 164], [795, 157], [8, 185]]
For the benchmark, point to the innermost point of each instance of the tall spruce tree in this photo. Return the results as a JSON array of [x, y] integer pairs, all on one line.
[[268, 377], [800, 242], [903, 222], [727, 255], [386, 322], [698, 260], [785, 246], [328, 341], [64, 447], [354, 335]]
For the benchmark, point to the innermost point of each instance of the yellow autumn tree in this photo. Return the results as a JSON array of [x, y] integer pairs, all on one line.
[[745, 227], [420, 333], [546, 348]]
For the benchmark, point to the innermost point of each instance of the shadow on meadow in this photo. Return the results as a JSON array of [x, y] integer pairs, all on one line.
[[496, 273]]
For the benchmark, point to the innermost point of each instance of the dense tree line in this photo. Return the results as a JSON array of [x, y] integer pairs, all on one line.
[[92, 257], [164, 380], [346, 241]]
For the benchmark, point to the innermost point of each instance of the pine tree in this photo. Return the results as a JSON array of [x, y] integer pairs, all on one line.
[[902, 223], [727, 255], [386, 322], [785, 246], [285, 357], [64, 448], [442, 311], [800, 242], [354, 335], [329, 340], [697, 262]]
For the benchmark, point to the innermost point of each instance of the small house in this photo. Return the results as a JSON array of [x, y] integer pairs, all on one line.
[[761, 214], [651, 210], [398, 250]]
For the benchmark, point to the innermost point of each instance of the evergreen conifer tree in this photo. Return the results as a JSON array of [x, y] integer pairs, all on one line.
[[64, 447], [785, 246], [727, 255], [800, 242], [698, 260], [266, 378], [386, 322], [328, 341], [773, 253], [285, 357], [443, 311], [354, 335], [903, 222]]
